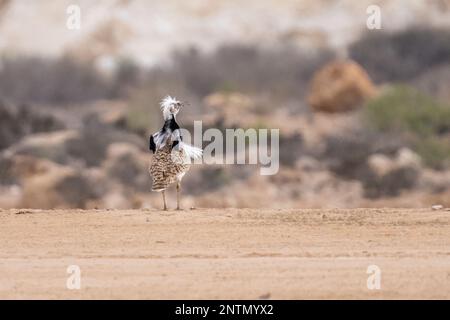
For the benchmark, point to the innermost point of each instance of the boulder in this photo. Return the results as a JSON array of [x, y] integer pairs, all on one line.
[[340, 86]]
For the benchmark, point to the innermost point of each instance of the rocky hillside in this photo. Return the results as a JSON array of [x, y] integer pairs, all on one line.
[[368, 130], [148, 30]]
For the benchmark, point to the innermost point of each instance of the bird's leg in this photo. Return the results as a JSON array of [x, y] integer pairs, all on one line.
[[178, 195], [164, 200]]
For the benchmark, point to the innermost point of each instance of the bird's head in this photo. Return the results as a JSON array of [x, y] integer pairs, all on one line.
[[170, 106]]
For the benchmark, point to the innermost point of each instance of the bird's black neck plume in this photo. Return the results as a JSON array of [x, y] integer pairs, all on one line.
[[170, 125]]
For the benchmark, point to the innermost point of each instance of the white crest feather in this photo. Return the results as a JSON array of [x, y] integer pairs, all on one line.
[[165, 104]]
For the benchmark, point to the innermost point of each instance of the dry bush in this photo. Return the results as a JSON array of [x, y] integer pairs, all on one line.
[[283, 71], [210, 178], [51, 81], [92, 144], [402, 55], [280, 74], [19, 121], [346, 154], [127, 76]]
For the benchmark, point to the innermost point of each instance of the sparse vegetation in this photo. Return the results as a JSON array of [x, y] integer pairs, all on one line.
[[284, 71], [278, 74], [235, 86]]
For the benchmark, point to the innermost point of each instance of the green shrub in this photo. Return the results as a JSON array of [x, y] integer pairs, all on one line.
[[423, 121], [434, 152]]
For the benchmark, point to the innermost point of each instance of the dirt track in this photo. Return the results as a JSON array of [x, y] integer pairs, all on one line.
[[233, 253]]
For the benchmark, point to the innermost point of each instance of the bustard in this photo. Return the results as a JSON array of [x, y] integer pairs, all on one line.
[[172, 156]]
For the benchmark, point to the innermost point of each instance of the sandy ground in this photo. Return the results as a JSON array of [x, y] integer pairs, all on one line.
[[225, 254]]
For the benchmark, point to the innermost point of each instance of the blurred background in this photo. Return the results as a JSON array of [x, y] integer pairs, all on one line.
[[364, 115]]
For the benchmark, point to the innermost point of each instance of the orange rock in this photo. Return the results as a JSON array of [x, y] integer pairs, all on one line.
[[340, 86]]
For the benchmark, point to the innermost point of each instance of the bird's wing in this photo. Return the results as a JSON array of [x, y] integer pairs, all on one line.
[[191, 151]]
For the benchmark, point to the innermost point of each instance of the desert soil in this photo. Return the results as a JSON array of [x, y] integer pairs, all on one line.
[[225, 253]]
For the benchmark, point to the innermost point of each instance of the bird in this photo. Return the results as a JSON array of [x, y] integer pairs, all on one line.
[[171, 160]]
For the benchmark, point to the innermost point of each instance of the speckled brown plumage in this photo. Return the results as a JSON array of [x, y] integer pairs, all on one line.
[[167, 167]]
